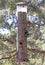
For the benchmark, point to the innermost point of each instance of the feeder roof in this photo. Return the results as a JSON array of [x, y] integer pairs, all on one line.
[[21, 3]]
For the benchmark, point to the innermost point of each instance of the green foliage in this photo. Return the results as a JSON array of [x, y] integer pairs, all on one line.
[[12, 5], [7, 63], [2, 4]]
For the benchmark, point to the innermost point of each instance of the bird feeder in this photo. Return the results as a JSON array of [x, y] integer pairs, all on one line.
[[21, 51]]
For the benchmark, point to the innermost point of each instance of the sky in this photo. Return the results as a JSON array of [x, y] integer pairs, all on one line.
[[4, 31]]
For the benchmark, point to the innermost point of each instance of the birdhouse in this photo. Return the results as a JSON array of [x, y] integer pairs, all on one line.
[[22, 33]]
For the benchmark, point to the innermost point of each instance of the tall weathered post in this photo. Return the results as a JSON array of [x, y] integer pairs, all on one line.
[[22, 33]]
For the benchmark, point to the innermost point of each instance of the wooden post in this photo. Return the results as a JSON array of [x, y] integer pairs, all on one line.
[[22, 35]]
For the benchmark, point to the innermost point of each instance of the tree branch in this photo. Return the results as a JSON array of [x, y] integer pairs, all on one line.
[[37, 51], [6, 39], [32, 50]]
